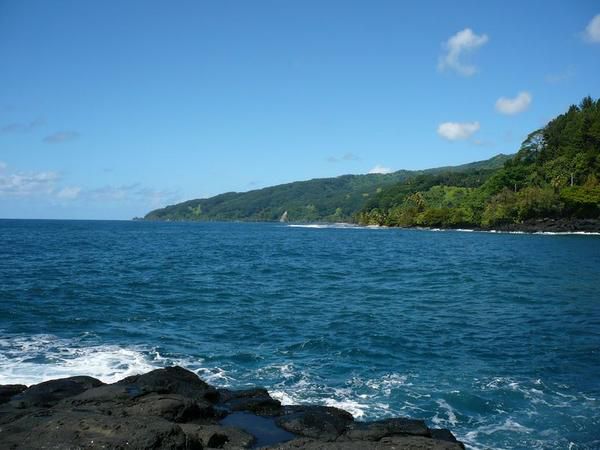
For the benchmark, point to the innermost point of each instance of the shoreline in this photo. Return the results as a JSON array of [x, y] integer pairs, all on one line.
[[586, 227], [173, 408]]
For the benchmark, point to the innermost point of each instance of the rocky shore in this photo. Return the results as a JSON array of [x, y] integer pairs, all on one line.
[[549, 225], [172, 408]]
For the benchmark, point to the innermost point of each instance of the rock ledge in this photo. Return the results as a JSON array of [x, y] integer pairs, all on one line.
[[172, 408]]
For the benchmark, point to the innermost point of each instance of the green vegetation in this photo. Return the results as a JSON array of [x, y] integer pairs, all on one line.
[[555, 174], [320, 200]]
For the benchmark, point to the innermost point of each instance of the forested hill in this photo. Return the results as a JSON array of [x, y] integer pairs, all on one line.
[[555, 176], [319, 200]]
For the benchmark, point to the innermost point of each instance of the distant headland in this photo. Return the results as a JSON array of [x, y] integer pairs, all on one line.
[[551, 184]]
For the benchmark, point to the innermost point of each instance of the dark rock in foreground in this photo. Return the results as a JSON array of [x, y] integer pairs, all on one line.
[[172, 408]]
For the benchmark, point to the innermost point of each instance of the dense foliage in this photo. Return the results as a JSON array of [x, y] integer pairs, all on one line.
[[319, 200], [556, 174]]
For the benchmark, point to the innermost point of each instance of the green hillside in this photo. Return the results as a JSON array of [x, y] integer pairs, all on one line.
[[319, 200], [555, 174]]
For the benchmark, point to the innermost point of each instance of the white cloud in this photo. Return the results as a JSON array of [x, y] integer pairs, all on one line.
[[69, 193], [25, 184], [592, 31], [514, 105], [456, 47], [48, 186], [454, 131], [380, 169]]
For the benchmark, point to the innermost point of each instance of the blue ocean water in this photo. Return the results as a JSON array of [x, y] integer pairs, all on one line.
[[496, 336]]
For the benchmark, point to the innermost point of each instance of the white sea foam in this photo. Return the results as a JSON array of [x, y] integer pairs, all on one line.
[[508, 425], [450, 413], [385, 384], [339, 225], [30, 360], [567, 233], [352, 406], [284, 397], [214, 375]]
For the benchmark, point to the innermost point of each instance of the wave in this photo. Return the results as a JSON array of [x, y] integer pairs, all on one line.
[[34, 359], [340, 225], [499, 410], [443, 230], [542, 233]]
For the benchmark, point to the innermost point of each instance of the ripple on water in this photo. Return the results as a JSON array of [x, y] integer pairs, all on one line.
[[492, 335]]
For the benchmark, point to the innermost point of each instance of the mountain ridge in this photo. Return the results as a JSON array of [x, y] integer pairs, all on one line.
[[330, 199]]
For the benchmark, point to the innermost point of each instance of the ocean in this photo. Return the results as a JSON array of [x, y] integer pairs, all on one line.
[[495, 336]]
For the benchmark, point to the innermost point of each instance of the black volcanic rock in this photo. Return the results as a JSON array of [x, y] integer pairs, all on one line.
[[553, 225], [320, 422], [77, 429], [375, 431], [173, 380], [10, 390], [391, 443], [256, 400], [51, 392], [172, 408]]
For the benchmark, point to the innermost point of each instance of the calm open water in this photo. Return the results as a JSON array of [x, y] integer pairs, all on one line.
[[496, 336]]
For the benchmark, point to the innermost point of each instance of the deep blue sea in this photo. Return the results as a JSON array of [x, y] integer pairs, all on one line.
[[495, 336]]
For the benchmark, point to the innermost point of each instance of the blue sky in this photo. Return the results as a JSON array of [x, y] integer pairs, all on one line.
[[109, 109]]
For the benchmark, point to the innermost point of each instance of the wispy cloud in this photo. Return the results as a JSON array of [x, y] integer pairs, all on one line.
[[22, 127], [69, 193], [455, 131], [515, 105], [345, 157], [559, 77], [456, 47], [380, 169], [50, 187], [591, 33], [21, 184], [61, 136], [133, 192]]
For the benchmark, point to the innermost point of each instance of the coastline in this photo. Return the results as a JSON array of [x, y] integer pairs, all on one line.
[[173, 408], [544, 226]]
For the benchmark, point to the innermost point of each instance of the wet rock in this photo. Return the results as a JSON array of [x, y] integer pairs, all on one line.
[[65, 430], [374, 431], [443, 434], [9, 390], [263, 428], [256, 400], [216, 436], [173, 407], [321, 422], [173, 380], [419, 443], [392, 443], [49, 393], [553, 225]]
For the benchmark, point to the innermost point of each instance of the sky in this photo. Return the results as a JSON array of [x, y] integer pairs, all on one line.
[[109, 109]]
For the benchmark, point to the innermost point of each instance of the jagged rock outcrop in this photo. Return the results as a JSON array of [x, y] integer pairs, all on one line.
[[172, 408]]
